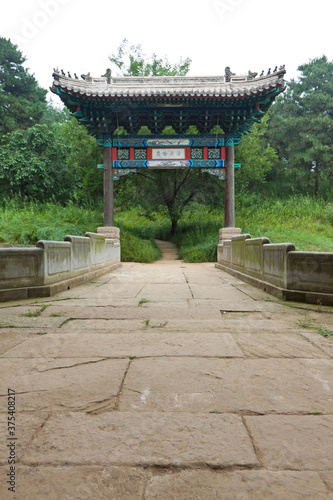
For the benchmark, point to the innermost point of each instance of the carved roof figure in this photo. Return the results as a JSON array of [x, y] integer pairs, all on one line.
[[87, 77], [228, 74], [108, 75], [251, 75]]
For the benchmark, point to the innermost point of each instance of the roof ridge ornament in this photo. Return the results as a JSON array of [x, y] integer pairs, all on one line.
[[228, 74], [87, 77], [108, 75], [251, 75]]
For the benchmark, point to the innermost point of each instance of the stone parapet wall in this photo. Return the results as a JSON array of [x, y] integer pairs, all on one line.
[[279, 268], [31, 270]]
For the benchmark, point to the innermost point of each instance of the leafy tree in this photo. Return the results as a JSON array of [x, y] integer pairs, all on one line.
[[83, 156], [31, 164], [301, 128], [22, 101], [256, 157], [131, 61], [53, 115], [45, 163]]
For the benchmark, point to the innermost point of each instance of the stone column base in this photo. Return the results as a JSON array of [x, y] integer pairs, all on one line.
[[112, 233], [227, 233]]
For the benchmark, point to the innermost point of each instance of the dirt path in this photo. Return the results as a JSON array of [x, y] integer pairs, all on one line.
[[173, 381]]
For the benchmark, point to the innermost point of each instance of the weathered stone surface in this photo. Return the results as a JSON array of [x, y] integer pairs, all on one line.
[[20, 321], [147, 343], [328, 479], [116, 291], [12, 337], [218, 292], [171, 292], [79, 483], [172, 325], [293, 442], [244, 485], [56, 383], [278, 345], [228, 385], [137, 273], [110, 326], [140, 310], [191, 358], [223, 304], [148, 439], [27, 425], [90, 301], [325, 344], [259, 321]]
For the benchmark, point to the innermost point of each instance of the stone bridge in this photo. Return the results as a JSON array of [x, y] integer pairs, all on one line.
[[165, 381]]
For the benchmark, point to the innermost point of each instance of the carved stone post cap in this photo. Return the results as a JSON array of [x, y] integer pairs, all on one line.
[[109, 232], [227, 233]]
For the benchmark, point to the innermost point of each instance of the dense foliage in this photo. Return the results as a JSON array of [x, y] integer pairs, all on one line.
[[307, 222], [301, 129], [22, 101]]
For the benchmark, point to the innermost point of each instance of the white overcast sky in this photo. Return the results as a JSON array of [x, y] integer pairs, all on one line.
[[79, 35]]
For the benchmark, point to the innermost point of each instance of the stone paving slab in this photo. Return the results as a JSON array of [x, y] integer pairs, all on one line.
[[182, 325], [117, 326], [116, 291], [229, 385], [58, 383], [135, 439], [30, 425], [18, 321], [78, 302], [224, 304], [219, 292], [293, 442], [81, 345], [241, 485], [328, 479], [12, 337], [170, 292], [260, 321], [79, 483], [325, 344], [278, 345], [139, 310], [110, 326]]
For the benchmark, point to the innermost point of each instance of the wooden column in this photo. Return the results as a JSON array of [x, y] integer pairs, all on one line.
[[108, 185], [229, 189]]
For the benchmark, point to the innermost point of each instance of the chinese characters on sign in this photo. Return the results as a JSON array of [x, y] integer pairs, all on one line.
[[168, 154]]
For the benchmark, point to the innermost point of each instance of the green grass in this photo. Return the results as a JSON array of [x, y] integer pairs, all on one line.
[[25, 223], [35, 314], [302, 220], [134, 249]]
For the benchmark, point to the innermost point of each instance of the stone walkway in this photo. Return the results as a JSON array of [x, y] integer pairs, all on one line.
[[167, 381]]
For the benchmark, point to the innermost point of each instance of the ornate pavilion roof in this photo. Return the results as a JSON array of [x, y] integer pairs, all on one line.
[[232, 102]]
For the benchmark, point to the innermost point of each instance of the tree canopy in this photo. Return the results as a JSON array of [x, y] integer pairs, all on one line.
[[301, 128], [131, 61], [22, 100]]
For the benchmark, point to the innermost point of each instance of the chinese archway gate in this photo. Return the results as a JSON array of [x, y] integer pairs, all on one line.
[[103, 105]]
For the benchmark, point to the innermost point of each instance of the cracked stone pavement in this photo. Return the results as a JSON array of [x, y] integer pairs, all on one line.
[[167, 381]]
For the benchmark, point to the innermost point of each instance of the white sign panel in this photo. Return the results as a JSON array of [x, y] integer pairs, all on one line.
[[168, 154], [168, 163]]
